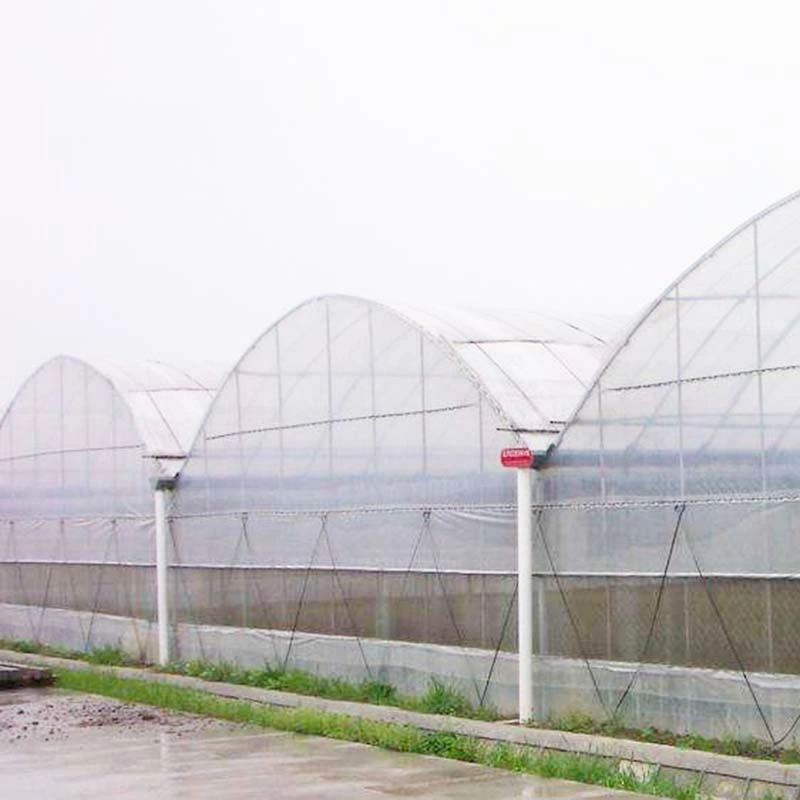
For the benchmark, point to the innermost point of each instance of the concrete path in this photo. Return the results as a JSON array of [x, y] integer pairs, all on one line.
[[729, 777], [61, 746]]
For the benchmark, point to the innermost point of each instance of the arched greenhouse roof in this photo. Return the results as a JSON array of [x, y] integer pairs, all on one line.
[[534, 368], [699, 398], [350, 403], [166, 402]]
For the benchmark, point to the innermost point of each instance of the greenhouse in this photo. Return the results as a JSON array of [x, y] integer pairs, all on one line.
[[81, 446], [337, 502], [345, 492]]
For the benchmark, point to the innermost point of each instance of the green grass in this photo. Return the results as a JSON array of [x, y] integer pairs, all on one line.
[[110, 656], [729, 745], [287, 680], [106, 655], [29, 646], [401, 738], [438, 699]]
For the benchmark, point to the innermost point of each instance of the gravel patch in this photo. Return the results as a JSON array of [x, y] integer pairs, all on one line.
[[45, 715]]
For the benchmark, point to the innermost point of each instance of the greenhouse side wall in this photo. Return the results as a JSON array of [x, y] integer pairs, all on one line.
[[676, 484], [75, 506], [300, 539], [344, 489], [343, 510]]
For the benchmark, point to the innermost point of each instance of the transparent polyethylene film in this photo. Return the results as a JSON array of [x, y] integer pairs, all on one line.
[[69, 447], [535, 367], [701, 401], [442, 539], [168, 401], [345, 404], [123, 540], [755, 538]]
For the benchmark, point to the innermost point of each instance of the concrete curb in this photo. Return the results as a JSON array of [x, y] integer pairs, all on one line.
[[730, 777]]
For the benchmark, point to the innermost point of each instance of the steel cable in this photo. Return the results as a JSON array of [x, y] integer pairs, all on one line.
[[681, 509], [502, 636], [99, 586], [23, 589], [570, 616], [183, 582], [303, 589], [729, 640], [347, 609], [448, 606], [259, 595]]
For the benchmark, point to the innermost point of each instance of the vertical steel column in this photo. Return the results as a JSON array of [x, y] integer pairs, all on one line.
[[687, 631], [11, 471], [207, 492], [279, 373], [759, 361], [601, 440], [422, 416], [240, 441], [162, 573], [602, 458], [679, 375], [481, 495], [330, 385], [87, 474], [603, 510], [35, 433], [481, 446], [770, 639], [541, 589], [525, 593], [61, 443], [373, 395], [114, 467]]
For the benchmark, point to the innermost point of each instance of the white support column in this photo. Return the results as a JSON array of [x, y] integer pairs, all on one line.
[[162, 574], [525, 593]]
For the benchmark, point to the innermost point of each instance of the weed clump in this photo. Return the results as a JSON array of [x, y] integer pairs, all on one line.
[[109, 655], [749, 747], [443, 699], [438, 699]]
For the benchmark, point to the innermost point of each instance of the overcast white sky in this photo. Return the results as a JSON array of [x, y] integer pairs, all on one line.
[[175, 175]]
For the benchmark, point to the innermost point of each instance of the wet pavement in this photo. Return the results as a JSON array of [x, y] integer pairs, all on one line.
[[55, 745]]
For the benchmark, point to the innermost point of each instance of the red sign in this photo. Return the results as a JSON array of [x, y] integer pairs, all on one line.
[[519, 457]]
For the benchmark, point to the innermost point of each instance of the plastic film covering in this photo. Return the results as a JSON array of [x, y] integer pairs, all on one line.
[[69, 446], [537, 368], [168, 401], [345, 403], [340, 574], [83, 440], [670, 506], [343, 510], [346, 482], [78, 447], [450, 539], [700, 400], [54, 568]]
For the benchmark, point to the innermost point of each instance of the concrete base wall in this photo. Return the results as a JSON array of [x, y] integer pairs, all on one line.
[[706, 702]]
